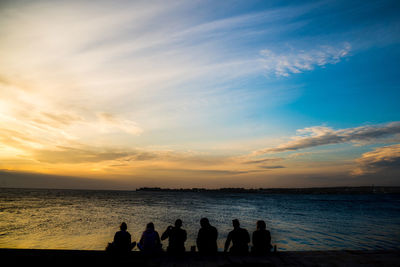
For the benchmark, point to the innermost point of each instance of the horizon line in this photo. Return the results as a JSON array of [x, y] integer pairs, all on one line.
[[207, 189]]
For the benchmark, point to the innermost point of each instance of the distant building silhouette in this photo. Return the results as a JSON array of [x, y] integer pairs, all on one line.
[[240, 239], [207, 238]]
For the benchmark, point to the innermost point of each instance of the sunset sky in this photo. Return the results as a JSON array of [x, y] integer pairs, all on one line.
[[124, 94]]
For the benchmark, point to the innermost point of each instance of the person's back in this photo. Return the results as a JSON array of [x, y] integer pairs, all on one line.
[[122, 240], [261, 239], [176, 238], [207, 238], [150, 240], [240, 239]]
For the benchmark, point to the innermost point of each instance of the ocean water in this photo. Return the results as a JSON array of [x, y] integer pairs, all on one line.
[[79, 219]]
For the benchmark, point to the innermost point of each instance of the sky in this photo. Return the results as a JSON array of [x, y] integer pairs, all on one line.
[[125, 94]]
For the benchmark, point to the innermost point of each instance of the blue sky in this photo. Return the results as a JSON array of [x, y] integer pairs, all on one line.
[[202, 93]]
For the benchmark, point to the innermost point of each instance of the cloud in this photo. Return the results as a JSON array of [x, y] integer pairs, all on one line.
[[385, 159], [76, 155], [122, 157], [262, 163], [298, 61], [320, 135], [300, 154], [58, 119], [110, 122], [205, 171], [273, 167], [17, 139], [258, 161], [124, 161]]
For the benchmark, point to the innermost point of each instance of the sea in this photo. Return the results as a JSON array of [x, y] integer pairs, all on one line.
[[88, 220]]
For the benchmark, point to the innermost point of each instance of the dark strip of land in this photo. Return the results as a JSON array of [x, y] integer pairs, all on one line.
[[311, 190], [35, 257]]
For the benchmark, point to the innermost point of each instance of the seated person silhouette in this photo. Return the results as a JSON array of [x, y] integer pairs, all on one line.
[[240, 239], [176, 238], [261, 239], [150, 241], [122, 240], [207, 238]]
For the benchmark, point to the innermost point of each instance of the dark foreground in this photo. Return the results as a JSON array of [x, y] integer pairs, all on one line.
[[32, 257]]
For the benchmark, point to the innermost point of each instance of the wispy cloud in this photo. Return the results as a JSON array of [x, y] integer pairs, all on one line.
[[263, 163], [284, 63], [298, 155], [385, 159], [273, 167], [76, 155], [266, 160], [110, 121], [321, 135]]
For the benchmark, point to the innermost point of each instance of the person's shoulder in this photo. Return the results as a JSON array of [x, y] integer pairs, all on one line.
[[151, 233], [259, 232]]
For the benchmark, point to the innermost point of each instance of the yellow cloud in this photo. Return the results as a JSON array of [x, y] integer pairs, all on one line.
[[385, 158]]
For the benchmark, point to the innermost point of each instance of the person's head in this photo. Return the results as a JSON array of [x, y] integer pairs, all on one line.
[[204, 222], [178, 223], [235, 223], [261, 225], [150, 226], [123, 226]]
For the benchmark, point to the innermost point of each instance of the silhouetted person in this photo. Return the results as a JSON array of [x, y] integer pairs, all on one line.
[[122, 240], [207, 238], [176, 238], [150, 241], [240, 239], [261, 239]]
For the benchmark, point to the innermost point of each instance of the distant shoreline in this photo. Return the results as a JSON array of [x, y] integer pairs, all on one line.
[[313, 190], [340, 190]]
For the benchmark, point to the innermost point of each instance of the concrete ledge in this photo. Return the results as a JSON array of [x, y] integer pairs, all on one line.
[[32, 257]]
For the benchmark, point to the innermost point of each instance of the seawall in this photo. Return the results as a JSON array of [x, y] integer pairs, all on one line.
[[32, 257]]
